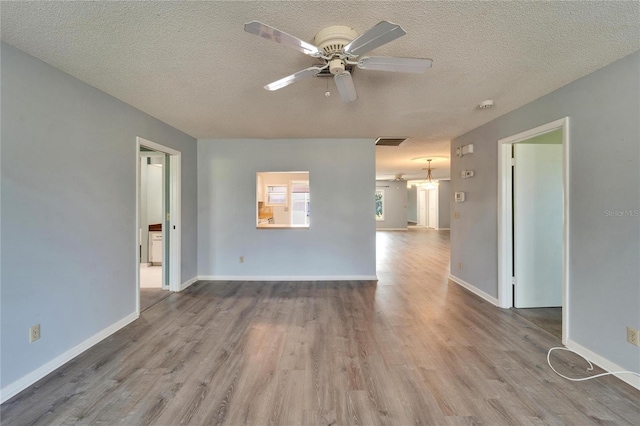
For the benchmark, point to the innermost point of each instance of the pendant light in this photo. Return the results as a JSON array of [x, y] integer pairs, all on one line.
[[429, 182]]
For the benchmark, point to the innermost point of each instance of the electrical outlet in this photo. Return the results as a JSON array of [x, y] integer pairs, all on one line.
[[460, 266], [34, 333], [241, 259], [633, 336], [456, 215]]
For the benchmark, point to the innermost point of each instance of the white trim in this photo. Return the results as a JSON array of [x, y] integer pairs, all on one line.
[[505, 285], [287, 278], [24, 382], [443, 229], [391, 229], [157, 146], [188, 283], [437, 224], [137, 225], [604, 363], [175, 223], [473, 289]]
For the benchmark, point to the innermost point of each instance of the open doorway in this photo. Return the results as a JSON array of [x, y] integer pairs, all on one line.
[[532, 216], [153, 196], [157, 220]]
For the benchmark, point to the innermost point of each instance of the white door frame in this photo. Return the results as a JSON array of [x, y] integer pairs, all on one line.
[[505, 222], [175, 161]]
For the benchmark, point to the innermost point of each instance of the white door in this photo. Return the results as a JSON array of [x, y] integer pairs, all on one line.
[[537, 204], [422, 207], [433, 205]]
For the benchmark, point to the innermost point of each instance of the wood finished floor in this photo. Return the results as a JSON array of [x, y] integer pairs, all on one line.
[[410, 349], [151, 296], [549, 319]]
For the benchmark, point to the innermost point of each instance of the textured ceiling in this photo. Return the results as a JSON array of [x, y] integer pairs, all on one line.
[[191, 65]]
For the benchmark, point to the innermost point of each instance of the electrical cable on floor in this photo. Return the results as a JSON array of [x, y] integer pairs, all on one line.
[[588, 369]]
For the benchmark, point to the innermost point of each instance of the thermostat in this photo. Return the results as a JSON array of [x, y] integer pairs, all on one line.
[[459, 197]]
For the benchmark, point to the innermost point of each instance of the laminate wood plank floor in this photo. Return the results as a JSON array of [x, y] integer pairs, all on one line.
[[151, 296], [549, 319], [412, 348]]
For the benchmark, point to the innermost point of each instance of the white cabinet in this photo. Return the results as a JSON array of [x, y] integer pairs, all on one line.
[[155, 247]]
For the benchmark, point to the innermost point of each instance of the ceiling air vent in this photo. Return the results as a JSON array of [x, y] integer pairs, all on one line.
[[389, 141]]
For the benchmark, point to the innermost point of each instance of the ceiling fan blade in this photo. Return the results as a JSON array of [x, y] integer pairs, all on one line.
[[290, 79], [345, 86], [385, 63], [380, 34], [274, 34]]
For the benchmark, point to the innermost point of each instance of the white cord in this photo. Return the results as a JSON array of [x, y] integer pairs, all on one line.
[[588, 369]]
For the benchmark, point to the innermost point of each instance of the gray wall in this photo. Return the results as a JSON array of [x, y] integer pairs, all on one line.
[[412, 204], [341, 238], [444, 204], [68, 210], [604, 162], [395, 204]]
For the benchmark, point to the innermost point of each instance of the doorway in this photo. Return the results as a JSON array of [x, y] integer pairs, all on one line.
[[533, 232], [157, 222]]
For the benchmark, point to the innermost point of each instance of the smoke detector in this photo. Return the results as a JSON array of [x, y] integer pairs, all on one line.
[[485, 104]]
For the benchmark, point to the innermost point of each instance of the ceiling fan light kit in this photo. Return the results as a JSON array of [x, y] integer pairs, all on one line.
[[339, 49]]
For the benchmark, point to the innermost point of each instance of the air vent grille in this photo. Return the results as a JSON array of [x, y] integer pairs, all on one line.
[[389, 141]]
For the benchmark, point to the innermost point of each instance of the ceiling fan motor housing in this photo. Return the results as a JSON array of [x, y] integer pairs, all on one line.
[[332, 40]]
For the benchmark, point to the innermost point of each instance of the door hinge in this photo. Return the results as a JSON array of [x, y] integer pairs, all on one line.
[[513, 161], [168, 216]]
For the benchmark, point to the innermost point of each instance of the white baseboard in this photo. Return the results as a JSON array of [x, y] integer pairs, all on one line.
[[287, 278], [188, 283], [24, 382], [392, 229], [605, 364], [475, 290], [443, 229]]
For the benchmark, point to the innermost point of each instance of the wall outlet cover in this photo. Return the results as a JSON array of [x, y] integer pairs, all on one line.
[[34, 333], [633, 336]]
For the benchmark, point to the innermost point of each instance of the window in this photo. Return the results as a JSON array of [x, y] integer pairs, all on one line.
[[380, 204], [277, 195]]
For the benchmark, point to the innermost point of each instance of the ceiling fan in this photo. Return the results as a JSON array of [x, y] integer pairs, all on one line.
[[338, 49]]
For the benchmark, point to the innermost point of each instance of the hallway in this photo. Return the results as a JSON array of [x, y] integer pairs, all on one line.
[[412, 348]]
